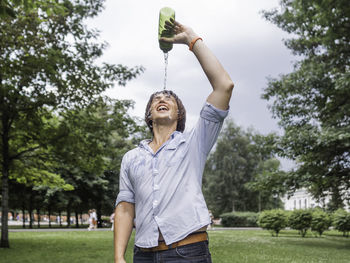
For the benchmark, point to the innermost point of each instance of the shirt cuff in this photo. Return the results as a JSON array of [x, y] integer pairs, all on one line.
[[125, 196], [211, 113]]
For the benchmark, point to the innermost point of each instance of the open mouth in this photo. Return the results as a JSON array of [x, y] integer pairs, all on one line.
[[162, 108]]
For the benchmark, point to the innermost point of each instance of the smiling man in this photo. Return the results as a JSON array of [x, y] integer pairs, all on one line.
[[161, 179]]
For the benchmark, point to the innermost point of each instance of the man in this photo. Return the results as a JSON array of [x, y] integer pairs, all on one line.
[[160, 181]]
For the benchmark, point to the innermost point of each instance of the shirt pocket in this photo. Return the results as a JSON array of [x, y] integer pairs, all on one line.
[[174, 156]]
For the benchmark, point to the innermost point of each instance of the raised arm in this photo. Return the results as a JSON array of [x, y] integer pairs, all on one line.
[[216, 74]]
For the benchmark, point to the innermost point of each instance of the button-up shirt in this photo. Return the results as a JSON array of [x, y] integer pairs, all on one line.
[[166, 186]]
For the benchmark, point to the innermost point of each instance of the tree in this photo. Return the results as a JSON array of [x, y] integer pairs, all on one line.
[[300, 220], [47, 64], [320, 222], [97, 138], [273, 220], [231, 166], [312, 102], [268, 179]]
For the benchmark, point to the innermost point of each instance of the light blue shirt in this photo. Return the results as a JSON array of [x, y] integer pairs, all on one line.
[[166, 186]]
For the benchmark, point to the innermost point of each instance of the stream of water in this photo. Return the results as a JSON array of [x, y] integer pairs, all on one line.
[[165, 68]]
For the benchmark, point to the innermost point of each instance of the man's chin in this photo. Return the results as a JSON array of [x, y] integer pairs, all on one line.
[[165, 119]]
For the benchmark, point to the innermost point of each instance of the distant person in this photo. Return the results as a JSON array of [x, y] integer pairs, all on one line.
[[91, 225], [94, 219], [161, 179], [112, 221], [211, 220]]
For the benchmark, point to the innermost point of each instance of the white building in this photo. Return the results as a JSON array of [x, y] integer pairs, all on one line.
[[301, 199]]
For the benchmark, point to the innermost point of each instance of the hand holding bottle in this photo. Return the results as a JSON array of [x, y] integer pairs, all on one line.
[[182, 34]]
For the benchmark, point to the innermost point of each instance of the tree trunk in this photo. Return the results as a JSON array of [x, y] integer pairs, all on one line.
[[336, 201], [30, 218], [49, 212], [68, 213], [5, 208], [5, 177], [23, 216], [38, 213], [76, 219], [99, 214], [81, 218], [30, 211]]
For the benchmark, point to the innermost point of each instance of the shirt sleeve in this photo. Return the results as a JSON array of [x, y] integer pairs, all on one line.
[[126, 191], [209, 126]]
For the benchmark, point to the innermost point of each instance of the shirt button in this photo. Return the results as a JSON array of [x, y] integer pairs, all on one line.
[[155, 202], [156, 187], [155, 171]]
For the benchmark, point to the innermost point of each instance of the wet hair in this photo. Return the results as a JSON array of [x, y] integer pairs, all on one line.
[[181, 113]]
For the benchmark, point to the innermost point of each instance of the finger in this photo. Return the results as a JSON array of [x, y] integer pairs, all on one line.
[[167, 39], [169, 27], [168, 24], [177, 29], [175, 22]]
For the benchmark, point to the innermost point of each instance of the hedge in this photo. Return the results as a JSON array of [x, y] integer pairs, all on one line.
[[239, 219]]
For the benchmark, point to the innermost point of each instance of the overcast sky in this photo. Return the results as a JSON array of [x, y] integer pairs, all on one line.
[[249, 47]]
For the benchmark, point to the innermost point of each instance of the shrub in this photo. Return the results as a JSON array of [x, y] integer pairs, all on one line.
[[300, 220], [320, 222], [239, 219], [341, 221], [273, 220]]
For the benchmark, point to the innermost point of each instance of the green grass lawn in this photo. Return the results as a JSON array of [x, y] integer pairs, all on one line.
[[226, 247]]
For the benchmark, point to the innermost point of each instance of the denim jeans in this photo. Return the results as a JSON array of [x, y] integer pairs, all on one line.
[[192, 253]]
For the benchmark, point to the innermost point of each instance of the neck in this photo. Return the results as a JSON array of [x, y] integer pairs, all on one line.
[[161, 134]]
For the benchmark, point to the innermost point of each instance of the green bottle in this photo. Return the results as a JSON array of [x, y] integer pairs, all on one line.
[[164, 15]]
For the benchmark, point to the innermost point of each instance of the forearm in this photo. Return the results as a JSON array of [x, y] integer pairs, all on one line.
[[215, 72], [218, 77], [123, 225]]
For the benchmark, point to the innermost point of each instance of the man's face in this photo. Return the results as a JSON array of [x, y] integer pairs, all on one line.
[[163, 108]]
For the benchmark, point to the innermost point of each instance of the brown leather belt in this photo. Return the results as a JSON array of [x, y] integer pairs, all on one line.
[[190, 239]]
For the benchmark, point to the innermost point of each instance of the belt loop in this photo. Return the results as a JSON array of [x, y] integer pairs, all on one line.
[[170, 246]]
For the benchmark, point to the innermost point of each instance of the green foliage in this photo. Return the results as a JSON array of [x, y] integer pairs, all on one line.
[[237, 158], [321, 221], [239, 219], [269, 178], [300, 220], [273, 220], [311, 103], [341, 221], [48, 67]]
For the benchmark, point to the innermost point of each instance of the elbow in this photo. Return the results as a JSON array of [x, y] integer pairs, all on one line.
[[228, 86]]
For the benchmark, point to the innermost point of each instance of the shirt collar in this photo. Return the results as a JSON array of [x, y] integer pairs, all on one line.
[[176, 138]]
